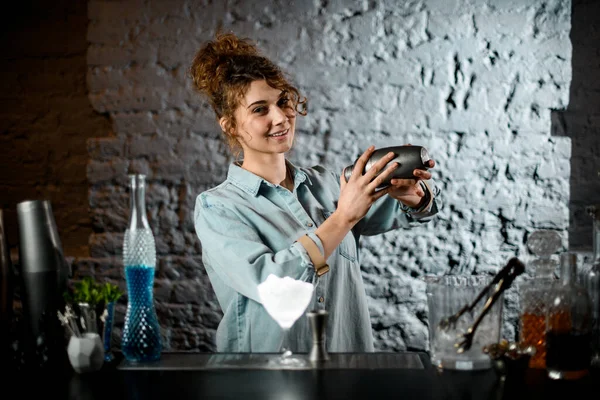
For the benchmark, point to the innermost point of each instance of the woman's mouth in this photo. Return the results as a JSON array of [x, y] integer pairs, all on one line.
[[278, 134]]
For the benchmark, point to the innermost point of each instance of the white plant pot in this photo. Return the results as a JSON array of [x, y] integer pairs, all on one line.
[[86, 353]]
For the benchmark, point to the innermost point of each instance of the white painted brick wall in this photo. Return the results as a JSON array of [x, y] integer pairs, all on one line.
[[474, 81]]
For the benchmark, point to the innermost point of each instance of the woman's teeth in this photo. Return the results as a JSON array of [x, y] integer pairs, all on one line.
[[278, 134]]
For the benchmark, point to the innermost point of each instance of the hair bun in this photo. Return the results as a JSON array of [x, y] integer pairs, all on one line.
[[210, 65], [228, 44]]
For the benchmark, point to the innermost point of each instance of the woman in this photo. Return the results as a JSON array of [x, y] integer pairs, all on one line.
[[270, 216]]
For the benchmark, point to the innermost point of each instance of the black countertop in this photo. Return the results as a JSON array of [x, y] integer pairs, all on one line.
[[247, 376]]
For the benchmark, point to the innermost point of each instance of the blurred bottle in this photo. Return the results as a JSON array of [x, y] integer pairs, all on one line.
[[590, 279], [535, 293], [43, 273], [568, 325], [6, 292]]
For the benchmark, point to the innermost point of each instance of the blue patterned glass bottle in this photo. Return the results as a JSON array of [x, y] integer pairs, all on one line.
[[141, 341]]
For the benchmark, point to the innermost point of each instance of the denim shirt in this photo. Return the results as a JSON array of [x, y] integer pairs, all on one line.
[[248, 229]]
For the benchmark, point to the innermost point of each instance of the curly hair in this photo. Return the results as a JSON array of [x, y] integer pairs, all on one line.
[[223, 70]]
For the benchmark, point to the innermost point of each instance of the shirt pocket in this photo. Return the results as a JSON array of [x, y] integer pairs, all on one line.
[[347, 248]]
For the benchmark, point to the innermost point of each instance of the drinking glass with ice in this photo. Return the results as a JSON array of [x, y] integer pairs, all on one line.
[[285, 300]]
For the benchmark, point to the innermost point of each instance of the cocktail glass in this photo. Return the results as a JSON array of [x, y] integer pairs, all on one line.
[[285, 300]]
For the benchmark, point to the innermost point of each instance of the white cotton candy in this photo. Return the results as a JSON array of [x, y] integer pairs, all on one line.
[[285, 299]]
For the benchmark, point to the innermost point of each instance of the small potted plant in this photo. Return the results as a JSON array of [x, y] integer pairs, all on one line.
[[85, 298], [90, 304]]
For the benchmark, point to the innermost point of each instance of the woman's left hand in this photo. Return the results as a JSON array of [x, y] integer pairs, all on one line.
[[409, 191]]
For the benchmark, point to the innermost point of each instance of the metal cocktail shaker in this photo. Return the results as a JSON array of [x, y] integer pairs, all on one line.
[[408, 157], [44, 273]]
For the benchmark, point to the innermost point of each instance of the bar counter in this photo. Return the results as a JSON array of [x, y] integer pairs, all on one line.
[[179, 376]]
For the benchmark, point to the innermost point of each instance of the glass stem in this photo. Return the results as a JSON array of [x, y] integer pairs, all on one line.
[[285, 343]]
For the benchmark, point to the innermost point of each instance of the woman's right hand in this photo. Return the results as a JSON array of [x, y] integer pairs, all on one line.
[[360, 191]]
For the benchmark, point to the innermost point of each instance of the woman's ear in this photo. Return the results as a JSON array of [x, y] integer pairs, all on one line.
[[224, 123]]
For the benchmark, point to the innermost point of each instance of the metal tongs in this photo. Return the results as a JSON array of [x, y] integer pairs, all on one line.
[[502, 281]]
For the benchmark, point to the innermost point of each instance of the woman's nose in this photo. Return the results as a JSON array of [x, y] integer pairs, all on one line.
[[279, 116]]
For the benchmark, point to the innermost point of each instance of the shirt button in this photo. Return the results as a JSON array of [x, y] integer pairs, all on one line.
[[309, 224], [321, 299]]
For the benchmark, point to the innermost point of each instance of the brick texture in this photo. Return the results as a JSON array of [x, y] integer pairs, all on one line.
[[475, 82]]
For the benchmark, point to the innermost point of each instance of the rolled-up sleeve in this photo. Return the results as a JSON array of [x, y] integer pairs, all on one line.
[[431, 206], [238, 255]]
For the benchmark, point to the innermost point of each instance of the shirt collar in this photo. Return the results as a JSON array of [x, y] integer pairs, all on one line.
[[251, 183]]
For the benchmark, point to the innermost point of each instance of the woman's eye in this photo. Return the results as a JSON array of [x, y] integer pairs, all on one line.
[[259, 110], [284, 101]]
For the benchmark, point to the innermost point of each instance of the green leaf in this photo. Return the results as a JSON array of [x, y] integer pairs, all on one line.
[[111, 292], [87, 290]]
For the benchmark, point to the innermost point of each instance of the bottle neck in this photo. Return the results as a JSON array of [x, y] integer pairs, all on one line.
[[137, 202], [568, 268], [544, 268]]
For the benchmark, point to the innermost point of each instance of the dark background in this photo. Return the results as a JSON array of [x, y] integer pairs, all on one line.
[[46, 117]]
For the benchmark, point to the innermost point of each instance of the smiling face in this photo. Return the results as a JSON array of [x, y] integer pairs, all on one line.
[[266, 120]]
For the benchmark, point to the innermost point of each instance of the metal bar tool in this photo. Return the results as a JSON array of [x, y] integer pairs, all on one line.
[[318, 326], [502, 281]]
